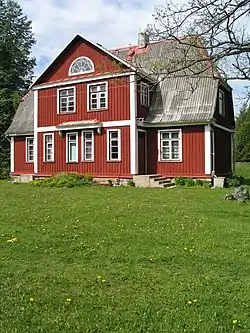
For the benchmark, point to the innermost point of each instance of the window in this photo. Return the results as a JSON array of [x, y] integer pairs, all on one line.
[[30, 150], [170, 145], [221, 103], [82, 65], [144, 93], [71, 147], [97, 96], [48, 148], [87, 146], [66, 100], [114, 145]]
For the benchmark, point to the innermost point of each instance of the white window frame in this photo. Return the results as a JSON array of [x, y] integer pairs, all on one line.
[[27, 149], [67, 147], [221, 111], [119, 145], [83, 146], [58, 100], [82, 72], [160, 159], [45, 148], [89, 99], [144, 95]]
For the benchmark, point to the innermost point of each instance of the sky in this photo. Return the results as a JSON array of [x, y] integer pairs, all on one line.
[[111, 23]]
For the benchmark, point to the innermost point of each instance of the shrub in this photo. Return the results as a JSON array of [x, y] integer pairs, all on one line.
[[62, 180], [234, 181], [199, 182], [189, 182], [89, 177], [4, 173], [130, 183], [180, 181]]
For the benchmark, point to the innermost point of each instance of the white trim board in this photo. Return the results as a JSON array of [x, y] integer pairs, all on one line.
[[104, 124], [133, 126], [12, 154], [35, 131], [208, 152], [81, 80]]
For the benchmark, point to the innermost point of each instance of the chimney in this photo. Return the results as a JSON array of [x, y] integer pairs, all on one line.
[[143, 39]]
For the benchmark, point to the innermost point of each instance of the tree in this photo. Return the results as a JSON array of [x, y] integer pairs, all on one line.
[[242, 137], [219, 29], [16, 66]]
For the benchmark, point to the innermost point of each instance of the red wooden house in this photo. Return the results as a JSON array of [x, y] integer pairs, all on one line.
[[100, 112]]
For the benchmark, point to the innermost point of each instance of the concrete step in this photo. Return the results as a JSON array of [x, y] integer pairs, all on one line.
[[154, 175]]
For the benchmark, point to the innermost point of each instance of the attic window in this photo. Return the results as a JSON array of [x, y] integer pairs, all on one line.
[[82, 65]]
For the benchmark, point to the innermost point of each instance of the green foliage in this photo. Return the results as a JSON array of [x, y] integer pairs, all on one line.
[[190, 182], [130, 183], [180, 181], [16, 66], [88, 177], [4, 173], [234, 181], [63, 180], [242, 137], [130, 260]]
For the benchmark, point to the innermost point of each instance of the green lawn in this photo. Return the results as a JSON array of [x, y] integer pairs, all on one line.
[[123, 260]]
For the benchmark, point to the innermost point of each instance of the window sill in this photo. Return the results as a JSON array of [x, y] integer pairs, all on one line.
[[113, 161], [146, 106], [64, 113], [73, 162], [98, 110], [88, 161], [170, 161], [27, 162], [48, 162]]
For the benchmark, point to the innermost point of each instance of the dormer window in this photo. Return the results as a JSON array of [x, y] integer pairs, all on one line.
[[144, 94], [221, 103], [82, 65]]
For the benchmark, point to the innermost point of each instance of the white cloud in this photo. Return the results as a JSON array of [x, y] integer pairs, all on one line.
[[110, 23]]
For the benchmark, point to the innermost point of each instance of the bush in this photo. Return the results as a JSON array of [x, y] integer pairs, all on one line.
[[234, 181], [4, 173], [180, 181], [89, 177], [189, 182], [63, 180], [130, 183], [199, 182]]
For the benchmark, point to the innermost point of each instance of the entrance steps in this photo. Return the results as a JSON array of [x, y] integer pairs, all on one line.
[[154, 180]]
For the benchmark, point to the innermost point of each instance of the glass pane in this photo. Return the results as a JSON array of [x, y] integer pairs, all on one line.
[[165, 156], [93, 88], [175, 143], [72, 152], [102, 87], [72, 137], [114, 149], [113, 135], [174, 135], [165, 143], [114, 155], [88, 156], [88, 135], [165, 135]]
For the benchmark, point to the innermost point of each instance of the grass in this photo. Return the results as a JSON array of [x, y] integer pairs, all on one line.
[[123, 260]]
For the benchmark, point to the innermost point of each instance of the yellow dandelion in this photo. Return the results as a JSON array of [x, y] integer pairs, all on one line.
[[189, 302], [68, 299], [99, 276], [103, 281], [191, 250], [185, 248], [195, 300], [31, 299], [235, 321]]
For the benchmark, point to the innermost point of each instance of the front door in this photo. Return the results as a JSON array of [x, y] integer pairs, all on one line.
[[142, 167]]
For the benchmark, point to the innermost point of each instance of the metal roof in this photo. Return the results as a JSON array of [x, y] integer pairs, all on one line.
[[23, 122]]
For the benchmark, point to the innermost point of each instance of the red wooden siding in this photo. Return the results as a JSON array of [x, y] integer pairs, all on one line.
[[59, 70], [118, 104], [99, 168], [193, 154], [20, 165], [223, 152]]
